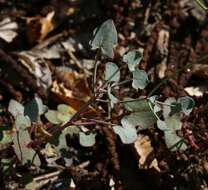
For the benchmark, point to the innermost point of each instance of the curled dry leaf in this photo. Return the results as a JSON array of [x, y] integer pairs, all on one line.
[[196, 91], [144, 149], [39, 27], [37, 67], [163, 41], [8, 30]]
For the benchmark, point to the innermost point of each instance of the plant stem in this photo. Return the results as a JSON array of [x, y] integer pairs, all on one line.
[[95, 70], [133, 100], [121, 83], [150, 105]]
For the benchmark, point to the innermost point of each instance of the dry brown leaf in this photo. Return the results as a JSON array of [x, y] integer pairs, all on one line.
[[36, 67], [195, 91], [163, 41], [144, 149], [161, 68], [8, 30], [39, 27], [46, 25]]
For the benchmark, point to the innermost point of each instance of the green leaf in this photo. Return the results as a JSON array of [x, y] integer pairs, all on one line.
[[126, 132], [52, 117], [172, 139], [143, 119], [31, 110], [136, 105], [187, 104], [24, 153], [41, 107], [104, 38], [5, 137], [63, 108], [15, 108], [112, 73], [173, 122], [6, 166], [162, 125], [59, 140], [140, 79], [132, 59], [63, 117], [112, 98], [22, 122], [168, 106], [87, 140]]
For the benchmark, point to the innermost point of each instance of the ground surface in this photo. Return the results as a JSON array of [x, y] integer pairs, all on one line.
[[45, 53]]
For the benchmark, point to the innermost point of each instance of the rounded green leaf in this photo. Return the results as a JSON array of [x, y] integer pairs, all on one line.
[[104, 38], [112, 98], [22, 122], [51, 116], [132, 59], [87, 140], [142, 119], [112, 72], [140, 79], [173, 122], [187, 104], [63, 108], [15, 108], [173, 141], [162, 125], [136, 105], [63, 117], [5, 137], [32, 110], [167, 106], [127, 133], [25, 154]]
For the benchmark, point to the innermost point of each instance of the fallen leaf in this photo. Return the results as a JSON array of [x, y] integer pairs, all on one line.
[[8, 30], [144, 148]]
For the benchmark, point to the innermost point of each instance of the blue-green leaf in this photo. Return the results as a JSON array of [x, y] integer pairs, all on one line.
[[31, 110], [187, 104], [172, 139], [162, 125], [112, 72], [22, 122], [52, 117], [132, 59], [15, 108], [140, 79], [25, 154], [104, 38], [126, 132], [112, 98], [143, 119], [87, 140]]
